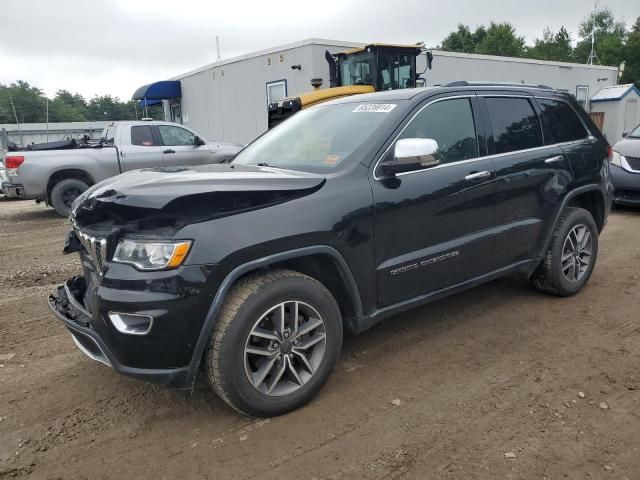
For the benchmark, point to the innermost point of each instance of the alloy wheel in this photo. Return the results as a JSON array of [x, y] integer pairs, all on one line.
[[576, 253], [285, 348]]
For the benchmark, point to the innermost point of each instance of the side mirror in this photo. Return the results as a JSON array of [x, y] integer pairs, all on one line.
[[198, 141], [411, 154], [421, 82], [625, 134]]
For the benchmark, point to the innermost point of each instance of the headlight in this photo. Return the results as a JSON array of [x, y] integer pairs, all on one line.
[[617, 159], [152, 255]]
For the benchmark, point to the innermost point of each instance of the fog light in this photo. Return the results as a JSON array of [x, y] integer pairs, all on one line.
[[131, 323]]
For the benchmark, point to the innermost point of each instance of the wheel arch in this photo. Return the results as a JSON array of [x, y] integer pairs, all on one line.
[[322, 262], [59, 175], [589, 197]]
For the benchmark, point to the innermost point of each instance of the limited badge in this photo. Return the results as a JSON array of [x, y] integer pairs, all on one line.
[[375, 107]]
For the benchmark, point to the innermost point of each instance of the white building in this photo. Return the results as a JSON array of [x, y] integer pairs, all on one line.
[[227, 100], [620, 110]]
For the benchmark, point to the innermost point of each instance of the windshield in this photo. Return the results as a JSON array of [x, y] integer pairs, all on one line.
[[318, 139], [635, 133]]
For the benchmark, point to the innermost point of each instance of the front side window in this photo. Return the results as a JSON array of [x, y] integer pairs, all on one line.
[[318, 139], [561, 121], [395, 71], [176, 136], [515, 124], [142, 135], [450, 123]]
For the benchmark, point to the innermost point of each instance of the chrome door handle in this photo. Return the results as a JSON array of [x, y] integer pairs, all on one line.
[[556, 159], [478, 175]]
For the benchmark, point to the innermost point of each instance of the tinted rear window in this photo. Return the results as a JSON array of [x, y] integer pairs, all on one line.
[[515, 124], [562, 123], [143, 136]]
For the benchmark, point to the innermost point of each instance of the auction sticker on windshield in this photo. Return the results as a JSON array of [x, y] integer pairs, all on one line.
[[375, 107]]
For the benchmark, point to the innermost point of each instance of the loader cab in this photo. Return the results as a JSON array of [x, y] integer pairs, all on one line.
[[385, 67]]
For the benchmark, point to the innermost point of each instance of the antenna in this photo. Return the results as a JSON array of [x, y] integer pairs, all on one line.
[[218, 48], [593, 57]]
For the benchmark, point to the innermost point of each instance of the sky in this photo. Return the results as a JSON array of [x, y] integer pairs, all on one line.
[[114, 46]]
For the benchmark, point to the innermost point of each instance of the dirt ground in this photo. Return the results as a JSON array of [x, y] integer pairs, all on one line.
[[444, 391]]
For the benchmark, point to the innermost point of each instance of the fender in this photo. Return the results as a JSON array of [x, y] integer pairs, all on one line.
[[240, 270], [563, 205]]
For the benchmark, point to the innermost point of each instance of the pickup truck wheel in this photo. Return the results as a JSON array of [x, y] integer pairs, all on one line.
[[277, 338], [570, 259], [64, 193]]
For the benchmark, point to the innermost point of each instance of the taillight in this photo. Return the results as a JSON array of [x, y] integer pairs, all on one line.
[[609, 152], [13, 162]]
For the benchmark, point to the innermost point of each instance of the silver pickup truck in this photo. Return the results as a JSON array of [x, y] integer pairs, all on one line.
[[57, 177]]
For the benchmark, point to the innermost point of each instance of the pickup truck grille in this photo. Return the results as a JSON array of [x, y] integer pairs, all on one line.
[[96, 247], [634, 163]]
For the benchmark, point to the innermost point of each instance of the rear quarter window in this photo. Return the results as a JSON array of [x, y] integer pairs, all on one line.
[[561, 122]]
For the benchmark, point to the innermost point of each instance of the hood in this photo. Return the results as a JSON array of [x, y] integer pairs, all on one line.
[[180, 195], [629, 147]]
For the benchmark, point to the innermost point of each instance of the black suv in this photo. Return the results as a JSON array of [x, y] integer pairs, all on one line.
[[344, 214]]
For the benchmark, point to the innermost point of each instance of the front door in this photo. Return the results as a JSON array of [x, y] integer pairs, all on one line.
[[433, 226], [180, 148]]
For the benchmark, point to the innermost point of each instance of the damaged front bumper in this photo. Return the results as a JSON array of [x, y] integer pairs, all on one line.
[[67, 307]]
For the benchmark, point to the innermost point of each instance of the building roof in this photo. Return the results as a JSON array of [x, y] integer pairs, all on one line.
[[615, 93]]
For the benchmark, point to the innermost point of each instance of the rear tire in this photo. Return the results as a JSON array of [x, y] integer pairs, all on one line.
[[64, 193], [571, 257], [261, 366]]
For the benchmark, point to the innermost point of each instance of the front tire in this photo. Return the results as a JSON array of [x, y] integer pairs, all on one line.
[[276, 341], [64, 193], [571, 257]]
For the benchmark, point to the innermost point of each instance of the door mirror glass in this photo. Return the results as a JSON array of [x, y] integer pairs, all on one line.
[[412, 154], [198, 141]]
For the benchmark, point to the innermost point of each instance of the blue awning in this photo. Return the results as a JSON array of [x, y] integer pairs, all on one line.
[[149, 103], [159, 91]]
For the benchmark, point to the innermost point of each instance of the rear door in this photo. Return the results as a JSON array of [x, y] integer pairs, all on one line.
[[180, 148], [140, 148], [433, 227], [531, 176]]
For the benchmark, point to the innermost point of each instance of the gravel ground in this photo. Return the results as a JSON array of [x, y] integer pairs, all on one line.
[[499, 382]]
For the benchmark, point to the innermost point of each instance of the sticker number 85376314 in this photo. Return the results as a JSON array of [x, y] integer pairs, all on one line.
[[375, 107]]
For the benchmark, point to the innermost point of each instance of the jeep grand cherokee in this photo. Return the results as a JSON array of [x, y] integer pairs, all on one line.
[[342, 215]]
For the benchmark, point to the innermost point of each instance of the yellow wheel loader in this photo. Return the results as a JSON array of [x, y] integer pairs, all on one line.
[[368, 69]]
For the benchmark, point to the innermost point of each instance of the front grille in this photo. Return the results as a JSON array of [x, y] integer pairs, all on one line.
[[96, 247], [634, 163]]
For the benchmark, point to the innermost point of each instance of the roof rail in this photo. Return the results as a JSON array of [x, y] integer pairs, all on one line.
[[465, 83]]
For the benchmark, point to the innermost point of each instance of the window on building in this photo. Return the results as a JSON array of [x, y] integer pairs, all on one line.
[[515, 124], [143, 136], [582, 96], [561, 122], [276, 91], [176, 136], [450, 123]]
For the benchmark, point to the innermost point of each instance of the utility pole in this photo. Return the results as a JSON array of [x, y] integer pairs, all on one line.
[[17, 122], [47, 118]]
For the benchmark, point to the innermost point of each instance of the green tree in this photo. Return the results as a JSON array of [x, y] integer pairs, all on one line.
[[552, 46], [106, 107], [610, 38], [29, 102], [632, 56], [67, 107], [464, 40], [501, 39], [459, 41]]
